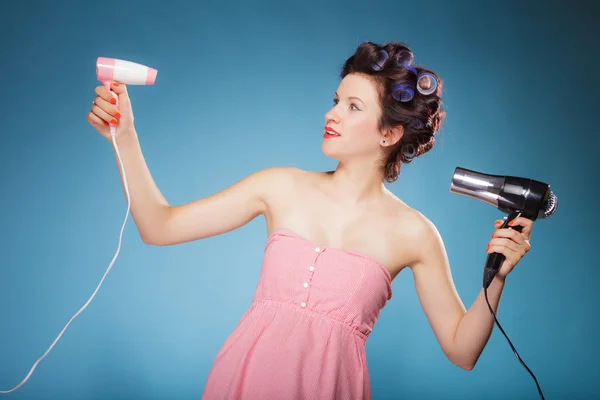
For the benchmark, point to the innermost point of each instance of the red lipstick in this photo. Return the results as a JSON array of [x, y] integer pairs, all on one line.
[[330, 133]]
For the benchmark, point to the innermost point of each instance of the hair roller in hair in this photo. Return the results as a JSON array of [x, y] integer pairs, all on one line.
[[426, 83], [403, 92], [409, 68], [409, 151], [382, 57], [404, 57], [416, 123]]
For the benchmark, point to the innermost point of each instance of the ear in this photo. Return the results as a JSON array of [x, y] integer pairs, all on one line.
[[393, 135]]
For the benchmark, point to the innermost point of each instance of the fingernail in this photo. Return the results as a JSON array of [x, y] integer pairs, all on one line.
[[113, 101], [105, 123], [115, 84], [113, 121], [117, 115]]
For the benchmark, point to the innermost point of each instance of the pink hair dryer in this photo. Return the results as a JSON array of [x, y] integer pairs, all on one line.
[[110, 70]]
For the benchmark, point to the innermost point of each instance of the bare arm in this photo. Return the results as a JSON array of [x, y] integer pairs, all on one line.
[[157, 221], [224, 211], [149, 208], [462, 335], [161, 224]]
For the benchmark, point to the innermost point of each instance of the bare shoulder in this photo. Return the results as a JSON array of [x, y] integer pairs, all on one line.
[[277, 181], [417, 233], [277, 175], [404, 218], [280, 185], [427, 243]]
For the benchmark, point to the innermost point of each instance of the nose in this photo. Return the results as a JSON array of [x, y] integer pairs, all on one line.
[[331, 116]]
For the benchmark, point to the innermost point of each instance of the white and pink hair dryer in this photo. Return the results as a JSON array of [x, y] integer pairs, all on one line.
[[109, 70]]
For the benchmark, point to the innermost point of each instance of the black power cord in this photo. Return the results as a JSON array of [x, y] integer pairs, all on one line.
[[511, 345]]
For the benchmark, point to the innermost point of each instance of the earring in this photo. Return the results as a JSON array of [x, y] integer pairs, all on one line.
[[383, 142]]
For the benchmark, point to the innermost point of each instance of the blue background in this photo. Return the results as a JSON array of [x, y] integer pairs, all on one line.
[[244, 86]]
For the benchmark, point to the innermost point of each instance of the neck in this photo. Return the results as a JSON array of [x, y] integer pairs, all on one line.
[[357, 182]]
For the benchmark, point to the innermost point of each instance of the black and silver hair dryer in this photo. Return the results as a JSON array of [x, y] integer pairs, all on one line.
[[518, 197]]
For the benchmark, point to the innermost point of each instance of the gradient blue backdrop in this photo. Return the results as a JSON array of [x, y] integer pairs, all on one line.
[[244, 86]]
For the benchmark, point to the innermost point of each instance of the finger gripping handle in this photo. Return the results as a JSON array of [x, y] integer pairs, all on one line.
[[110, 91], [495, 260]]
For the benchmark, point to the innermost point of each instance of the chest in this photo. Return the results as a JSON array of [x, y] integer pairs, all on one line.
[[355, 229]]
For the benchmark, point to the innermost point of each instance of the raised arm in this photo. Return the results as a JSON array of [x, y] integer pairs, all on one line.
[[157, 221], [222, 212]]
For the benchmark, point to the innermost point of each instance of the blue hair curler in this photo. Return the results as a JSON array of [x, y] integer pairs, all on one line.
[[382, 57], [403, 92], [416, 123], [404, 57], [409, 68]]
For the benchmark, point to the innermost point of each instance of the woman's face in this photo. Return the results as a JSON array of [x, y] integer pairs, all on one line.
[[353, 120]]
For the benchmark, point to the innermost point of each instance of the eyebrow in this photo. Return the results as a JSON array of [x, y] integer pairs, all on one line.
[[351, 97]]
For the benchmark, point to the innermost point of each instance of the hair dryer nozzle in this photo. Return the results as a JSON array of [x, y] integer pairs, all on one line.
[[477, 185], [127, 72]]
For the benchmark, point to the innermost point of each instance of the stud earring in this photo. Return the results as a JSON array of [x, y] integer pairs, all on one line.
[[383, 142]]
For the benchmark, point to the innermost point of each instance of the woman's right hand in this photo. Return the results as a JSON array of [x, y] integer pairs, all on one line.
[[106, 111]]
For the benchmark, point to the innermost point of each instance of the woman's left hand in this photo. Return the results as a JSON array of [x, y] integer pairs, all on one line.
[[511, 243]]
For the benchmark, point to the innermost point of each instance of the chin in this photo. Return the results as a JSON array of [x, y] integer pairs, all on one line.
[[331, 150]]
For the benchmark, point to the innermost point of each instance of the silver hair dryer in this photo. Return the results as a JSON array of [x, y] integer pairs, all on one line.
[[518, 197]]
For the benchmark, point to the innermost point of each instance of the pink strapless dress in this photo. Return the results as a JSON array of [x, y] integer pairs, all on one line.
[[304, 335]]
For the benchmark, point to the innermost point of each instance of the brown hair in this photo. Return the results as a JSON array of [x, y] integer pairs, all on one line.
[[421, 116]]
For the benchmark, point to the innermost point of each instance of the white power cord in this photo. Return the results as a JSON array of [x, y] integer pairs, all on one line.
[[114, 141]]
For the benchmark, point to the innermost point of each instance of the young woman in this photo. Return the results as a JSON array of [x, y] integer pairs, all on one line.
[[336, 239]]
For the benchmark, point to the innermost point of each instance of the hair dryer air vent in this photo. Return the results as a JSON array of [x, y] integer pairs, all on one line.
[[550, 205]]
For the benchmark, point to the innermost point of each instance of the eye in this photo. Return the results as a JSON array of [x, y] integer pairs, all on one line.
[[352, 105]]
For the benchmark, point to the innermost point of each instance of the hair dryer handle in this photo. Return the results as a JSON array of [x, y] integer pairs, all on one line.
[[109, 90], [116, 97], [495, 260]]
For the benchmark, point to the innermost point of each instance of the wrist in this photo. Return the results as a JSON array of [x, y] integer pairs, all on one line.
[[500, 279], [124, 136]]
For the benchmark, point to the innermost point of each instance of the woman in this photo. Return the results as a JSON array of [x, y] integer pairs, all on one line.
[[336, 239]]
